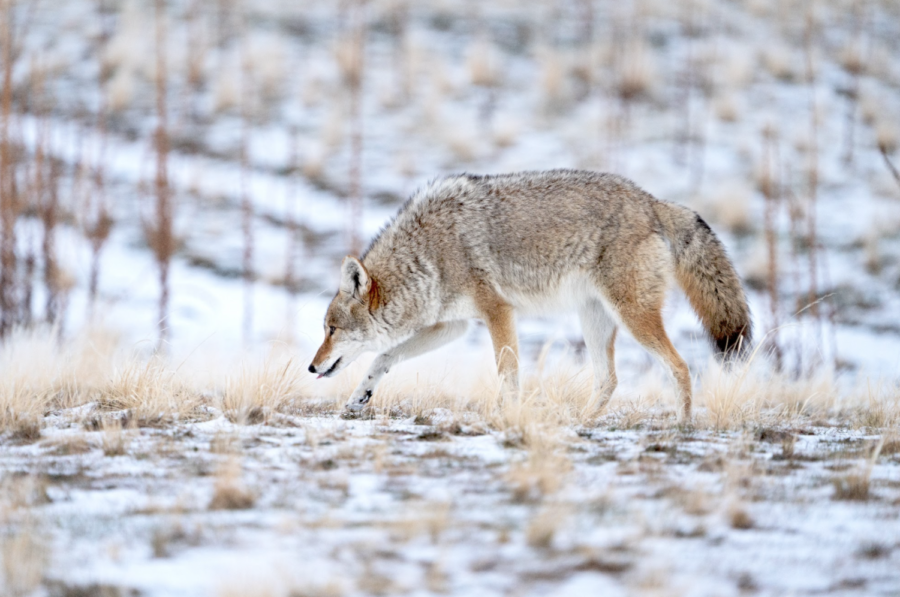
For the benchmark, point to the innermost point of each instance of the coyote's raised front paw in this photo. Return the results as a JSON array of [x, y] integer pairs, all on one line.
[[359, 400]]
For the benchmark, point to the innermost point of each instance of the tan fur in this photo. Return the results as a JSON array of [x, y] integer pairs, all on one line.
[[324, 351], [490, 246], [499, 316]]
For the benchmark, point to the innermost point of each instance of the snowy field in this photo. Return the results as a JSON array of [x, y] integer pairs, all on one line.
[[294, 130], [316, 505]]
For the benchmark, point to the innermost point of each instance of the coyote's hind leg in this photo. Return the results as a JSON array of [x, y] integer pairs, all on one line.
[[635, 288], [599, 331], [647, 328]]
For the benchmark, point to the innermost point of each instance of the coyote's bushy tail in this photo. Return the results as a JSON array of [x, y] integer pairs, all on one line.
[[708, 278]]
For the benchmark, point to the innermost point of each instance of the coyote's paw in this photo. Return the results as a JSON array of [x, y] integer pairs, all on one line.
[[359, 400]]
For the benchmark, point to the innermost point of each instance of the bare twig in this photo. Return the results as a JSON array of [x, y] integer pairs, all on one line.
[[771, 194], [813, 170], [163, 240], [8, 199], [887, 162], [293, 232], [246, 201], [99, 229]]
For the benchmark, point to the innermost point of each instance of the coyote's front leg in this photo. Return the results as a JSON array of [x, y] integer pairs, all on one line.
[[422, 341]]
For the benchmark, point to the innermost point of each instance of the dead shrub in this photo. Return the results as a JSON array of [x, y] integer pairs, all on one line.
[[739, 518]]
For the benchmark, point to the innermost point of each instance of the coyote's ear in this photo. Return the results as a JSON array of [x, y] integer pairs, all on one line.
[[355, 280]]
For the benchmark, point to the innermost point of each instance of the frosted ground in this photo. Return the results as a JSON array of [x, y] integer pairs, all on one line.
[[783, 488]]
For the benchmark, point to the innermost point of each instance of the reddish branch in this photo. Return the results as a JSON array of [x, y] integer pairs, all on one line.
[[162, 239]]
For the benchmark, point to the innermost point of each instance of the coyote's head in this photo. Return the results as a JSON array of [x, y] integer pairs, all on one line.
[[351, 327]]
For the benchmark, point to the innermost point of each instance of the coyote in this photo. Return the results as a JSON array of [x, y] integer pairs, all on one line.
[[470, 246]]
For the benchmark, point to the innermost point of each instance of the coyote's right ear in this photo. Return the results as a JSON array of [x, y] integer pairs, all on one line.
[[355, 280]]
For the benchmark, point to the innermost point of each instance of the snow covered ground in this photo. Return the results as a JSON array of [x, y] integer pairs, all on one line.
[[318, 505], [694, 100]]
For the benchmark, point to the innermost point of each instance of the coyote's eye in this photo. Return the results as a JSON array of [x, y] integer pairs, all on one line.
[[331, 329]]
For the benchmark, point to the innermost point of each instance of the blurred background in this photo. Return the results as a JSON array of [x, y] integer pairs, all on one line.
[[190, 173]]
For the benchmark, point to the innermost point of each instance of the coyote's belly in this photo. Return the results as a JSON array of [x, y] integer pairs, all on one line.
[[564, 295]]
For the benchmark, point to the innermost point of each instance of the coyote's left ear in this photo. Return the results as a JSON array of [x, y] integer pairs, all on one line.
[[355, 279]]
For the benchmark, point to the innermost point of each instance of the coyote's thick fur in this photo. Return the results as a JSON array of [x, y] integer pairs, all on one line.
[[485, 246]]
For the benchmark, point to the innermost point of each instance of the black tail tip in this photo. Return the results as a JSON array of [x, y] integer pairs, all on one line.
[[734, 345]]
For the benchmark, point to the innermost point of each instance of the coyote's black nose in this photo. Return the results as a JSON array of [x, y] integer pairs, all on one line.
[[312, 368]]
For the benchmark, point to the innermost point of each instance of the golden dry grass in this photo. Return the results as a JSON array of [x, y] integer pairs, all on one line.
[[151, 391], [256, 392], [230, 492], [43, 376], [114, 440], [855, 485], [23, 556], [545, 525]]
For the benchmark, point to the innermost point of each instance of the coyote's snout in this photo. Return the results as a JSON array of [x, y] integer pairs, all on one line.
[[484, 246], [349, 324]]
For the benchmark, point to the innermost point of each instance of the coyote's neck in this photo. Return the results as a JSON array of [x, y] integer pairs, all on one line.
[[403, 284]]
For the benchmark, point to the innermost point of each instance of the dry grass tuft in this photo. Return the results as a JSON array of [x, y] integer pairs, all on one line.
[[22, 492], [544, 526], [69, 445], [42, 374], [429, 519], [113, 439], [24, 425], [637, 72], [253, 395], [855, 486], [26, 384], [559, 397], [225, 443], [745, 395], [505, 133], [729, 206], [779, 61], [727, 107], [24, 561], [169, 536], [484, 63], [552, 66], [696, 502], [873, 258], [738, 517], [542, 473], [151, 392], [230, 493], [875, 407]]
